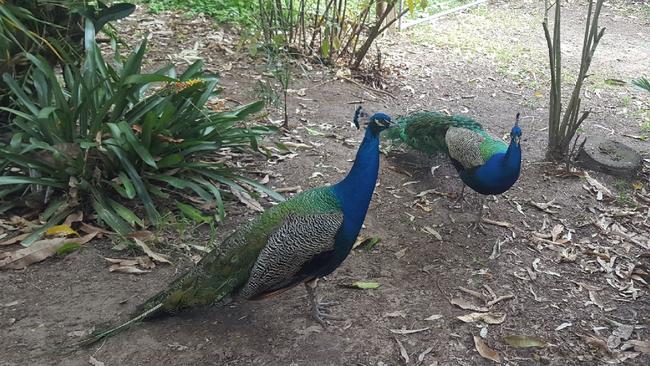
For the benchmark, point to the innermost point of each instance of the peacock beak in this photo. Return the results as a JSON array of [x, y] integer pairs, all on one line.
[[387, 123]]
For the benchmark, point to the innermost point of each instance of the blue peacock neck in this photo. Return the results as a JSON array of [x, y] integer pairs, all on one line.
[[512, 158], [354, 192]]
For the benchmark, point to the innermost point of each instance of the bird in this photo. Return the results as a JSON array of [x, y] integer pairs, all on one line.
[[294, 242], [486, 164]]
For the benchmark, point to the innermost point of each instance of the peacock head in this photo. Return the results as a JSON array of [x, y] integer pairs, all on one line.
[[375, 123], [515, 133]]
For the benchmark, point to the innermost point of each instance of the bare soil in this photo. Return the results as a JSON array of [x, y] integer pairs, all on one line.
[[574, 291]]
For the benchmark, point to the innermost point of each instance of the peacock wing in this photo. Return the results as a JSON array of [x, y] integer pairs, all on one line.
[[291, 251], [464, 146]]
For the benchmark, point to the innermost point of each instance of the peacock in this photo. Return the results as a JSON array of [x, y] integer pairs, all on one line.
[[484, 163], [297, 241]]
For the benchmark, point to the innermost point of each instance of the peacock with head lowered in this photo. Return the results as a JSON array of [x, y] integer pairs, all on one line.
[[484, 163], [295, 242]]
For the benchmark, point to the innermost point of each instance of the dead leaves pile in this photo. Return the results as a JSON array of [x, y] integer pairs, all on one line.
[[60, 239], [140, 264], [66, 238]]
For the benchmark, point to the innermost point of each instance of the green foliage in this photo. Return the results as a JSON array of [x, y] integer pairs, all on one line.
[[642, 83], [234, 11], [98, 136], [51, 29]]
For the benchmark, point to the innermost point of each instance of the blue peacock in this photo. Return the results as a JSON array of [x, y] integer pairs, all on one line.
[[484, 163], [297, 241]]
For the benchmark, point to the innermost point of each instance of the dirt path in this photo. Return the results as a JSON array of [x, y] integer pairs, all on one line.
[[569, 290]]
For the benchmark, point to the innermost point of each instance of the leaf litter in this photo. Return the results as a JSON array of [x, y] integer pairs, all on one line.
[[38, 251], [485, 351]]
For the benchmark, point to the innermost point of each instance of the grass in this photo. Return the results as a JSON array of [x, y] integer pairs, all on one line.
[[489, 35], [435, 7], [242, 12]]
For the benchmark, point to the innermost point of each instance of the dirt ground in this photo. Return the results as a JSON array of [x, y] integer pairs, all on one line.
[[574, 288]]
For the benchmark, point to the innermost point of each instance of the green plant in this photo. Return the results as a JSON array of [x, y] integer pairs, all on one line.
[[52, 29], [102, 137], [562, 128], [240, 12], [340, 31], [642, 83]]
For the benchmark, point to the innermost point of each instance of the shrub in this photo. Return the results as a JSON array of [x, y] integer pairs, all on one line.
[[563, 127], [52, 29], [101, 137]]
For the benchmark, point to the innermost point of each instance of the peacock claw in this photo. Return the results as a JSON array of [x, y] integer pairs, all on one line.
[[478, 226], [319, 308], [321, 315]]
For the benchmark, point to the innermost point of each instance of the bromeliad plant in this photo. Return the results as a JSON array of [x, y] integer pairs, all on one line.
[[98, 136], [52, 29]]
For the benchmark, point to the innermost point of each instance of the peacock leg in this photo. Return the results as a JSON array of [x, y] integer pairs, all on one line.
[[318, 307], [460, 199], [478, 223]]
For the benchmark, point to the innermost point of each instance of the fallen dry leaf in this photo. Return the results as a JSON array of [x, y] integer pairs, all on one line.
[[402, 351], [434, 317], [74, 217], [466, 305], [408, 331], [127, 269], [38, 251], [141, 234], [424, 354], [93, 361], [362, 285], [639, 346], [599, 187], [395, 314], [246, 199], [523, 341], [15, 239], [546, 206], [595, 342], [153, 255], [430, 230], [61, 230], [595, 299], [89, 229], [485, 351], [142, 261], [488, 318], [622, 333], [556, 231]]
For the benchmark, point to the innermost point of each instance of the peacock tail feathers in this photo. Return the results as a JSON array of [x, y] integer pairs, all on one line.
[[425, 131], [460, 136]]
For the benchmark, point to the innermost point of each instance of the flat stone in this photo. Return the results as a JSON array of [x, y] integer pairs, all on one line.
[[609, 156]]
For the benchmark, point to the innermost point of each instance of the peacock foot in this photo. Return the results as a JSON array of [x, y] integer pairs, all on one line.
[[458, 202], [321, 314], [319, 310], [478, 226]]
